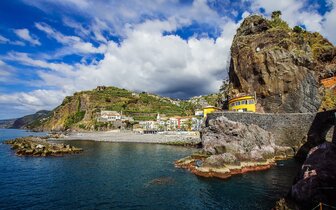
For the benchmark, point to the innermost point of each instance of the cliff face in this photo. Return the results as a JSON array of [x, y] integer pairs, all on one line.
[[283, 66]]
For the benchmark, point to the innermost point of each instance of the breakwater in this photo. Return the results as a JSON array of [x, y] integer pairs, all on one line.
[[289, 129]]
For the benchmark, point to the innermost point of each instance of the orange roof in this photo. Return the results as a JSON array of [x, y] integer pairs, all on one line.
[[329, 82]]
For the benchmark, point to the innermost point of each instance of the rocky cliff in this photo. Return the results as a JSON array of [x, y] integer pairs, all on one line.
[[282, 65]]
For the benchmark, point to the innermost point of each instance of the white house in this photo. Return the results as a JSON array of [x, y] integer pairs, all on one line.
[[199, 113], [109, 116]]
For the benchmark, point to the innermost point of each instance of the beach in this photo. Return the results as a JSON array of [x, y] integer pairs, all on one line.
[[176, 138]]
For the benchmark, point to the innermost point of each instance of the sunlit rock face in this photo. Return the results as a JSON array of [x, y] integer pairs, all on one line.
[[282, 66]]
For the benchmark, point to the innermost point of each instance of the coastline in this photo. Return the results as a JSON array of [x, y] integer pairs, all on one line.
[[174, 138]]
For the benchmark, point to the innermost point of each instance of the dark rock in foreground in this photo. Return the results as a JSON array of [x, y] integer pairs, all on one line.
[[316, 181], [36, 146]]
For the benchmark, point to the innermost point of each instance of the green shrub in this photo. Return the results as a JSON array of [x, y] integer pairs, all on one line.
[[73, 119], [276, 14], [277, 22], [297, 29]]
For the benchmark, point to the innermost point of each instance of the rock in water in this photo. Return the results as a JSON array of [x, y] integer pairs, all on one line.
[[161, 181], [37, 146], [282, 66], [231, 147]]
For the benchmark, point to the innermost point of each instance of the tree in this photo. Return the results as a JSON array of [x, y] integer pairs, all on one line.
[[276, 14], [277, 22], [297, 29], [224, 87]]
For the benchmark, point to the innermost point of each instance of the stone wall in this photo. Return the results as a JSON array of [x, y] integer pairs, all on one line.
[[289, 129]]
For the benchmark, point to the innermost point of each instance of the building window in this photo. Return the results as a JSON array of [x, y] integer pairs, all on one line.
[[251, 101]]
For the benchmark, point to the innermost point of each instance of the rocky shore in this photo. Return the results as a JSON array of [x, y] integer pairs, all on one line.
[[194, 163], [40, 147], [230, 148]]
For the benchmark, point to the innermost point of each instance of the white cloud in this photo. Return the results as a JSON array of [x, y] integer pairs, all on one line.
[[329, 23], [6, 73], [4, 40], [73, 44], [119, 13], [32, 101], [145, 61], [25, 35], [25, 59]]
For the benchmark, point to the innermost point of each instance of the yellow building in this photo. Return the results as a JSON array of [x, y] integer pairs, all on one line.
[[243, 104], [209, 109]]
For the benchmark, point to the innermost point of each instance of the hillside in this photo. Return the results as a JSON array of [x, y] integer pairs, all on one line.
[[214, 99], [282, 65], [81, 110], [31, 121], [7, 123]]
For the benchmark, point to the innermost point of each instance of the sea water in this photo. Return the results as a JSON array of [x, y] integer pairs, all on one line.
[[129, 176]]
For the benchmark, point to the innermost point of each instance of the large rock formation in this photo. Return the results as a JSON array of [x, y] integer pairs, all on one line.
[[245, 141], [231, 147], [283, 66]]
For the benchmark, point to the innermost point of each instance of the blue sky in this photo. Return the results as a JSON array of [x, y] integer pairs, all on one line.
[[177, 48]]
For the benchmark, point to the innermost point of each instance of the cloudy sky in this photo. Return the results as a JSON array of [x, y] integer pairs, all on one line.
[[177, 48]]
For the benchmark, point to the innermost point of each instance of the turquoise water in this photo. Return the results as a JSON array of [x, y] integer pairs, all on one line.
[[120, 176]]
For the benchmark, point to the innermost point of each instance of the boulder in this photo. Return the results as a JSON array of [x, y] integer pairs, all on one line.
[[239, 140]]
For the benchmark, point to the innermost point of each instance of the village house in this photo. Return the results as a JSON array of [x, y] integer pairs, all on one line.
[[199, 113], [148, 125], [109, 116], [245, 103], [112, 116], [175, 123], [209, 109]]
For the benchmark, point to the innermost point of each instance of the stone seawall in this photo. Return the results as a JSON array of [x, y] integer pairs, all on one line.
[[289, 129]]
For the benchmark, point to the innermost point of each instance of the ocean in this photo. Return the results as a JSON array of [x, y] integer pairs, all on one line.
[[129, 176]]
